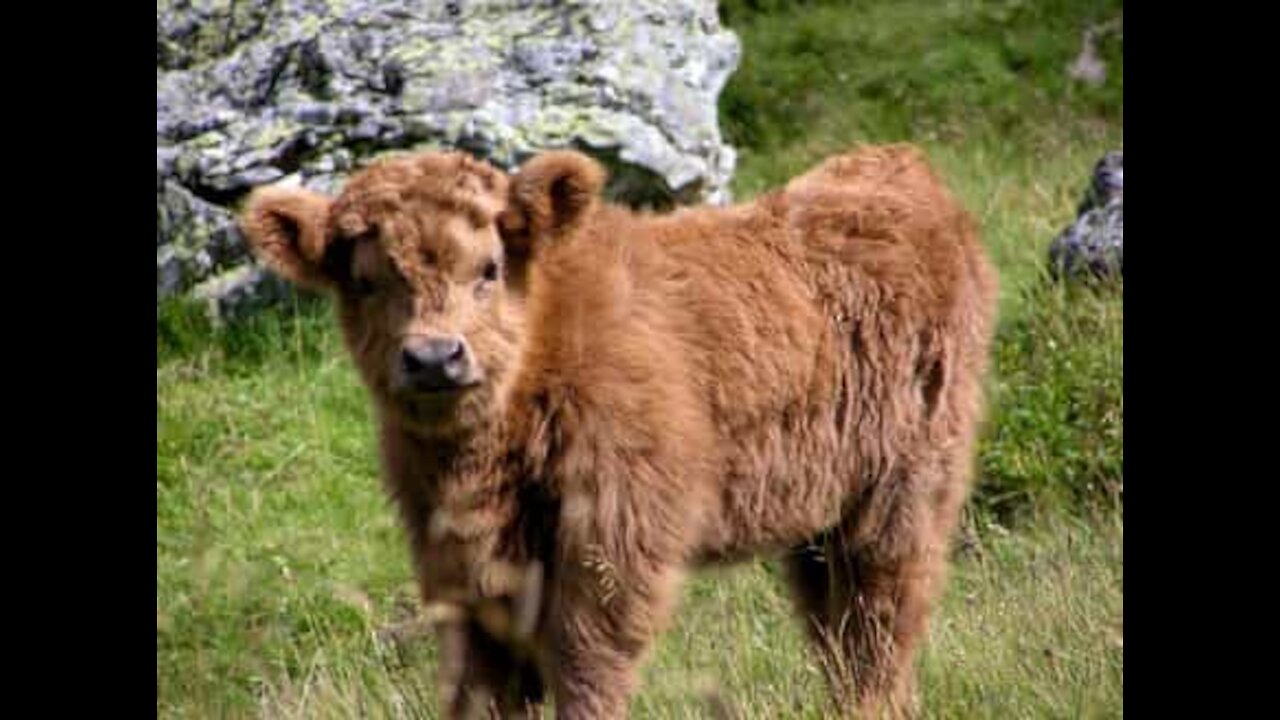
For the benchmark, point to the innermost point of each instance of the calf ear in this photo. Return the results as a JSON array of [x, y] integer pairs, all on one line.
[[286, 229], [549, 196]]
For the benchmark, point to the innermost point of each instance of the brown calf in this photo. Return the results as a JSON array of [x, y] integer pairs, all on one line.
[[613, 398]]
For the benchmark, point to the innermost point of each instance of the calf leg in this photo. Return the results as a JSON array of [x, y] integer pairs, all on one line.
[[483, 680], [866, 590], [608, 609]]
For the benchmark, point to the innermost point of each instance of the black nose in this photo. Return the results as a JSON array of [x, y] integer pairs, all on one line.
[[436, 363]]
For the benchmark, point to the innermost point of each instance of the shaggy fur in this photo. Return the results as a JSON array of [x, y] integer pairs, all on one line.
[[800, 375]]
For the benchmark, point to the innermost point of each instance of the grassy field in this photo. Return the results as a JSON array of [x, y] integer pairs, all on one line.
[[280, 569]]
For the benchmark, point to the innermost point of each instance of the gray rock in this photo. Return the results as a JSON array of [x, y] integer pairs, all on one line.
[[1107, 183], [194, 239], [241, 291], [1093, 246], [253, 92]]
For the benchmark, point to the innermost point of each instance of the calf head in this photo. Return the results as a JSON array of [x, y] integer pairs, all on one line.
[[426, 257]]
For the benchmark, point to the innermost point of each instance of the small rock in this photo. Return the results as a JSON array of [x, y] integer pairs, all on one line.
[[1093, 246], [1107, 184]]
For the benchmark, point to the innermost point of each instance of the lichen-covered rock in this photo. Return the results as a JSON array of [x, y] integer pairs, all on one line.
[[1107, 183], [194, 239], [1093, 246], [240, 291], [250, 92]]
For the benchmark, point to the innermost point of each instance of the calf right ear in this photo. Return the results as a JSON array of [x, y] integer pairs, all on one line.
[[286, 230]]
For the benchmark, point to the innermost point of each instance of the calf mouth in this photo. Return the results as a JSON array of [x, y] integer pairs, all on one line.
[[427, 403]]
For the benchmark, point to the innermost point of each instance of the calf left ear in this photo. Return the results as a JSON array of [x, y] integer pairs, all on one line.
[[549, 196]]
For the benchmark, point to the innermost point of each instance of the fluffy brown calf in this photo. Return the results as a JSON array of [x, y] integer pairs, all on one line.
[[616, 398]]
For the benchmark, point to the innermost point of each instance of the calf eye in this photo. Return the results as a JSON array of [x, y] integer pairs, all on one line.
[[490, 271], [362, 286]]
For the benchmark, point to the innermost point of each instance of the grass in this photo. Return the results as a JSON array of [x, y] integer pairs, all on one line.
[[1031, 626], [278, 558]]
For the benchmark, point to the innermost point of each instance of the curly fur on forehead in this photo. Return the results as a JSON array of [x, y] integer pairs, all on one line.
[[446, 182]]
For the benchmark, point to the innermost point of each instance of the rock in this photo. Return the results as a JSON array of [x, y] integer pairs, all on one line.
[[1089, 67], [250, 92], [1107, 183], [194, 239], [240, 291], [1093, 246]]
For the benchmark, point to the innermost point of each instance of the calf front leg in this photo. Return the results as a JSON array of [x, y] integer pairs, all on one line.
[[602, 641], [483, 679], [608, 611]]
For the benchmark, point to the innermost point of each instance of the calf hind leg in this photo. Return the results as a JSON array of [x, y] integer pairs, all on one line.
[[866, 599]]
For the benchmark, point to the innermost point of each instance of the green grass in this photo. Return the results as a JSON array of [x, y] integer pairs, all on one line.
[[1031, 626], [278, 557]]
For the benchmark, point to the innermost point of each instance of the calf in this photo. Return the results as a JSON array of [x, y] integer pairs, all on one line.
[[610, 399]]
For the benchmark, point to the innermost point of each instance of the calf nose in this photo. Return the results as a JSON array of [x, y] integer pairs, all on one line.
[[436, 363]]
